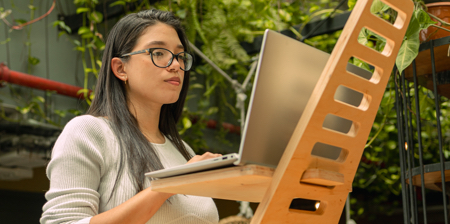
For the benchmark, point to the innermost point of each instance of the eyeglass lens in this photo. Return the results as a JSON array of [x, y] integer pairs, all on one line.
[[163, 58]]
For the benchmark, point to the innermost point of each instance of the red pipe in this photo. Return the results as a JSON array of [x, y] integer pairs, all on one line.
[[38, 83], [72, 91]]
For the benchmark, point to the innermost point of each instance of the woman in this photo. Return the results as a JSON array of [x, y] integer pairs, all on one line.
[[98, 163]]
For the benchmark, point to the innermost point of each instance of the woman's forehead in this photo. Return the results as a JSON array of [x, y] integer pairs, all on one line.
[[160, 35]]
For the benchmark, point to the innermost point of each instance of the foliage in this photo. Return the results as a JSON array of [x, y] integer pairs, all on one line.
[[379, 171], [30, 105]]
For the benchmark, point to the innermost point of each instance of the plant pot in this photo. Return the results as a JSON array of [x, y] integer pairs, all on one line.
[[442, 11]]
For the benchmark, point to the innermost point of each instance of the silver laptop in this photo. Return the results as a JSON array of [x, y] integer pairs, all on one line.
[[287, 73]]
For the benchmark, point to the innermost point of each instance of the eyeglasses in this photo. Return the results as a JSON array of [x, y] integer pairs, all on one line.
[[163, 58]]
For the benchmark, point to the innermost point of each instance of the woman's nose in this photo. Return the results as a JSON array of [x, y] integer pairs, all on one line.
[[174, 66]]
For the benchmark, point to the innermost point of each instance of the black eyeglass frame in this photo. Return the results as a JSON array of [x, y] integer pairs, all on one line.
[[149, 51]]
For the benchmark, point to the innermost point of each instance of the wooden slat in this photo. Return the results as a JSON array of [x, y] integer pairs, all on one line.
[[244, 183], [322, 177]]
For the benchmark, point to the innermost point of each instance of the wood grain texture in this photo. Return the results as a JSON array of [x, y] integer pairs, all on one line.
[[242, 183], [322, 177]]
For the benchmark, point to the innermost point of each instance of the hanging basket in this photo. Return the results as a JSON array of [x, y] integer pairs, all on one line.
[[442, 11]]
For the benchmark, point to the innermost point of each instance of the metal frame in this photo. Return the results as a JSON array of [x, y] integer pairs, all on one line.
[[408, 134]]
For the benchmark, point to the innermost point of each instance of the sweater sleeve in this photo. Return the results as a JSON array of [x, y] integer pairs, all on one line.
[[74, 171]]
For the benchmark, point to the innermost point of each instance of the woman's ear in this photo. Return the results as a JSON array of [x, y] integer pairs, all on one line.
[[118, 68]]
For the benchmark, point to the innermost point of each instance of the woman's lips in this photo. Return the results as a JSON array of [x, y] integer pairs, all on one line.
[[174, 81]]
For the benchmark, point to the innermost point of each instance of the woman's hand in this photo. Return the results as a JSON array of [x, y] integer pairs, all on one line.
[[206, 155]]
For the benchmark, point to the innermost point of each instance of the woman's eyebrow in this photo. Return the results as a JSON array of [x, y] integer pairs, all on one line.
[[162, 43]]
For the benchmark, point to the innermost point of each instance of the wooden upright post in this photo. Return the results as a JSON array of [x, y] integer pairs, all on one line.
[[301, 175]]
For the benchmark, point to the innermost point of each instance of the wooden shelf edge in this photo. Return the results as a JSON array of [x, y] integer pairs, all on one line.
[[242, 183]]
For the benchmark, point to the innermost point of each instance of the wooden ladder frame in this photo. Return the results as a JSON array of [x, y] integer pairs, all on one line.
[[300, 174]]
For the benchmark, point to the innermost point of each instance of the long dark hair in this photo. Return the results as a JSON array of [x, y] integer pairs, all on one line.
[[111, 99]]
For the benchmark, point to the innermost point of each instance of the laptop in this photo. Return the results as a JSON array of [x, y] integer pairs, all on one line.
[[286, 76]]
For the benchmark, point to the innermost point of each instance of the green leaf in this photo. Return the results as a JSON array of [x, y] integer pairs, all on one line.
[[87, 35], [376, 6], [33, 60], [77, 42], [186, 123], [413, 27], [81, 10], [123, 3], [56, 23], [82, 30], [363, 37], [20, 21], [97, 17], [181, 13], [196, 86], [360, 211], [351, 4], [424, 19], [60, 113], [212, 110], [391, 144], [23, 110], [5, 41], [39, 99], [408, 52], [82, 49]]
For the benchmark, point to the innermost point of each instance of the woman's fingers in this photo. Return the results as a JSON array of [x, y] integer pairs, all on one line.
[[206, 155]]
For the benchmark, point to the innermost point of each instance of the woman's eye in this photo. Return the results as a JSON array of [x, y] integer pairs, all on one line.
[[158, 54]]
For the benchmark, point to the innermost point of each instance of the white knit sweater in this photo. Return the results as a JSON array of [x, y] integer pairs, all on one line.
[[82, 174]]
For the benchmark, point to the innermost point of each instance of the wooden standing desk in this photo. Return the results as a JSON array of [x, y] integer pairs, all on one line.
[[301, 175]]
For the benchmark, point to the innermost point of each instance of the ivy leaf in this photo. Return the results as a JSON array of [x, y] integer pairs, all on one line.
[[408, 52]]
